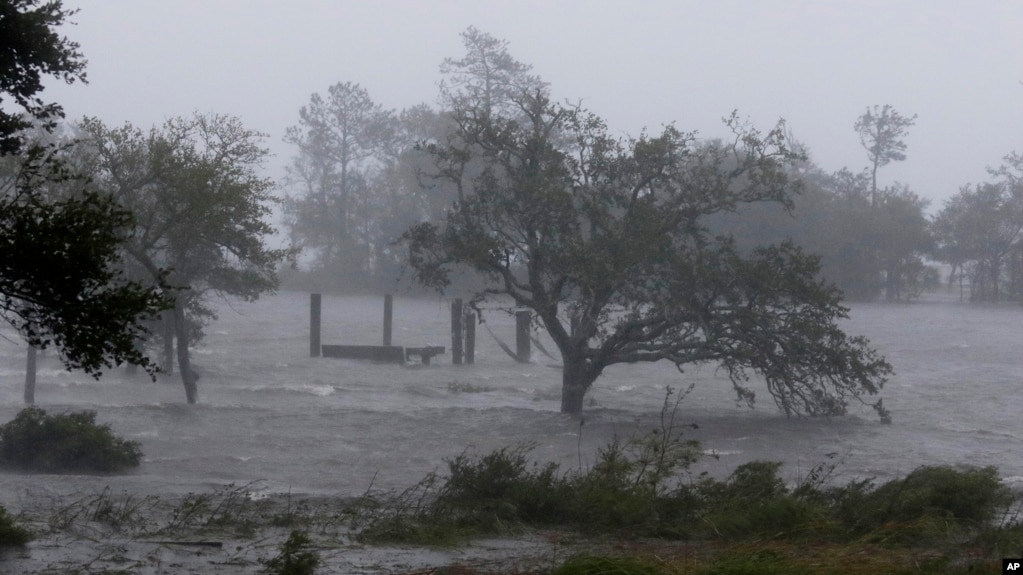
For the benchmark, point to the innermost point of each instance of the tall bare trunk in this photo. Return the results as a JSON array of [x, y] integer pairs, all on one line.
[[188, 377], [30, 376]]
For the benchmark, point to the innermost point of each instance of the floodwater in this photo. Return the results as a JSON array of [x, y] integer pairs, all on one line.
[[269, 413]]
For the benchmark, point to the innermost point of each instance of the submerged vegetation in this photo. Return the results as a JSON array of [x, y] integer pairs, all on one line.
[[68, 442], [12, 535], [664, 519], [637, 511]]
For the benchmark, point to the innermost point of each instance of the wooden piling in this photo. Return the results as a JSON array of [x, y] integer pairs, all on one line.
[[470, 337], [314, 325], [456, 332], [388, 317], [522, 335], [30, 376]]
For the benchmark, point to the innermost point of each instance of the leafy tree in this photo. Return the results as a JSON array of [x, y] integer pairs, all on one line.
[[487, 79], [60, 271], [901, 235], [362, 177], [978, 231], [865, 251], [60, 279], [609, 236], [30, 48], [340, 138], [195, 188], [881, 131]]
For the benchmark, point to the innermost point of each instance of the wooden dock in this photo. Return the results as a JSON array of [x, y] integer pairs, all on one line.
[[381, 353]]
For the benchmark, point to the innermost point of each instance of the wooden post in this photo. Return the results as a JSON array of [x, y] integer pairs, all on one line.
[[30, 376], [522, 335], [388, 317], [456, 332], [314, 325], [470, 337]]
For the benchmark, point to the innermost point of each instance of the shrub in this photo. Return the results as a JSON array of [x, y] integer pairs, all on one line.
[[928, 500], [70, 442], [10, 534], [295, 557]]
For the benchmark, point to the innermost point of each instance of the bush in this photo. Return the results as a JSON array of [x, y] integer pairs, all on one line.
[[10, 534], [755, 501], [70, 442], [927, 502], [295, 557]]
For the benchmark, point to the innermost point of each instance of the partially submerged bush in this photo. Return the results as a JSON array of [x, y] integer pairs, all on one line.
[[69, 442], [932, 502], [10, 534], [501, 491], [643, 487], [295, 557]]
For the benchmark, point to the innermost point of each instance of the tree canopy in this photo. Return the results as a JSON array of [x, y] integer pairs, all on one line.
[[195, 188], [606, 240], [60, 268], [881, 130], [30, 49]]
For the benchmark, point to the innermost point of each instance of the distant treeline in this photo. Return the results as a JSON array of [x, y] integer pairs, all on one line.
[[362, 176]]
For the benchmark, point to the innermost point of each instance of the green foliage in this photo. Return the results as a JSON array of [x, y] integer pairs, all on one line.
[[642, 487], [635, 487], [881, 130], [929, 503], [612, 236], [754, 501], [60, 277], [10, 534], [32, 48], [196, 188], [977, 233], [70, 442], [295, 557]]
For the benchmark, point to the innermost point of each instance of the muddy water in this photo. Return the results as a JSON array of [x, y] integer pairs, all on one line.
[[269, 413]]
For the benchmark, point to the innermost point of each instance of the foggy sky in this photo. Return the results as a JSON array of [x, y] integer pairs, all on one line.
[[818, 64]]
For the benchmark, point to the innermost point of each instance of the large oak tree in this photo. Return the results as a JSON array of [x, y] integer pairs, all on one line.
[[605, 240]]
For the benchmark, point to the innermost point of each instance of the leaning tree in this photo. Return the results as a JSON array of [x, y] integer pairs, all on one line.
[[605, 240], [201, 205]]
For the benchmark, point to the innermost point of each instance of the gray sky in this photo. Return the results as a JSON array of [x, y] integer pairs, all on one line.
[[637, 63]]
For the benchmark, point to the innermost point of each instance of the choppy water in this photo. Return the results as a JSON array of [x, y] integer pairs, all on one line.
[[270, 413]]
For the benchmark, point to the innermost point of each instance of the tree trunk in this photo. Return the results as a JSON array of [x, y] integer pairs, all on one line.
[[30, 376], [188, 377], [168, 343], [576, 380]]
